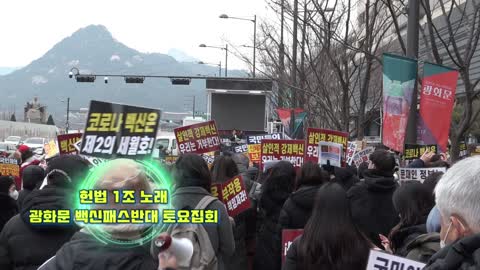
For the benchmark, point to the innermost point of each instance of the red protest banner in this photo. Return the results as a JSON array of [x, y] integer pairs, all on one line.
[[199, 138], [287, 239], [436, 104], [67, 141], [288, 150], [233, 194], [9, 167], [316, 135]]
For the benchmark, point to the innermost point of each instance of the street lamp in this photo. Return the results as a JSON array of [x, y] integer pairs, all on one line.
[[221, 48], [225, 16], [67, 124], [219, 66]]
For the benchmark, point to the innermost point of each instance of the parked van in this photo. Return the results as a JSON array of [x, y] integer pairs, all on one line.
[[168, 141]]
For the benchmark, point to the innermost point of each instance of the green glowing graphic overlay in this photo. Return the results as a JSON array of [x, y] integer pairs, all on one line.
[[160, 179]]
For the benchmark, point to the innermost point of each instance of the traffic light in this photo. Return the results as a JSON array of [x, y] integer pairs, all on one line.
[[85, 78], [180, 81], [134, 79]]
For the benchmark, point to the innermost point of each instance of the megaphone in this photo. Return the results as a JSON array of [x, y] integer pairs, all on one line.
[[181, 248]]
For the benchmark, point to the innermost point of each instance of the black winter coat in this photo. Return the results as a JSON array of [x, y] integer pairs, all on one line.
[[24, 246], [298, 208], [8, 209], [371, 205], [404, 236], [462, 255], [345, 177], [268, 240], [84, 252]]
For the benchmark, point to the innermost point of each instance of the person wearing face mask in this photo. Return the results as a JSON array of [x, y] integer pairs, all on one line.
[[8, 197], [457, 198]]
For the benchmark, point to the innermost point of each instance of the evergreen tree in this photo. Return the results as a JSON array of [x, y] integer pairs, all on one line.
[[50, 121]]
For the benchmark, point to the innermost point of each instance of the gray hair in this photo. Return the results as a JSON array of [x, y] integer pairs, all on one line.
[[458, 192]]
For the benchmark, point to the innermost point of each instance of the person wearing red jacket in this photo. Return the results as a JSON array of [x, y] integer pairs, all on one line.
[[27, 159]]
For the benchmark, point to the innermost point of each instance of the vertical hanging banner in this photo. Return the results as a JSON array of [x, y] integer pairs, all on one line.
[[288, 150], [437, 98], [399, 78], [316, 135], [116, 130]]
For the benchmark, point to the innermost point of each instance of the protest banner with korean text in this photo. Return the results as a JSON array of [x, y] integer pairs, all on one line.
[[255, 152], [288, 235], [257, 139], [122, 131], [240, 149], [316, 135], [378, 260], [362, 156], [350, 152], [198, 138], [417, 174], [233, 194], [288, 150], [415, 151], [66, 143], [209, 158], [170, 160], [9, 167]]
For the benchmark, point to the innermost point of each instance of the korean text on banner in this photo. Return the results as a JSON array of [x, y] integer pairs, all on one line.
[[257, 139], [288, 150], [287, 239], [437, 98], [379, 260], [399, 78], [330, 154], [240, 149], [254, 152], [350, 152], [198, 138], [316, 135], [362, 156], [415, 151], [233, 194], [209, 158], [418, 174], [66, 143], [9, 166], [115, 130]]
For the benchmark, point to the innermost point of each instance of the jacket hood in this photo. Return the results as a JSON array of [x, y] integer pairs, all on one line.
[[379, 181], [84, 252], [463, 254], [424, 239], [304, 196], [7, 204], [48, 198], [407, 234]]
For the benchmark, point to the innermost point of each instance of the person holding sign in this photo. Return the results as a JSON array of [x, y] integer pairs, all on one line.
[[330, 239], [457, 197], [371, 200]]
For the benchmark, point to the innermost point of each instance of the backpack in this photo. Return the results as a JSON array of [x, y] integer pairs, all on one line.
[[204, 256]]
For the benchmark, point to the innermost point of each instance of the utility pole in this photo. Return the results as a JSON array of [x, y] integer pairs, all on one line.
[[193, 107], [226, 59], [68, 115], [412, 52]]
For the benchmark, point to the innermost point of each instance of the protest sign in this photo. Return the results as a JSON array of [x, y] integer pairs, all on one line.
[[437, 98], [170, 160], [350, 152], [257, 139], [115, 130], [50, 149], [198, 138], [254, 152], [315, 136], [418, 174], [288, 150], [378, 260], [362, 156], [330, 154], [209, 158], [415, 151], [233, 194], [239, 149], [9, 167], [399, 79], [287, 239], [67, 141]]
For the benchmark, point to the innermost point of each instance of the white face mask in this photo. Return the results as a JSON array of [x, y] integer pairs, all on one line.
[[442, 242], [13, 194]]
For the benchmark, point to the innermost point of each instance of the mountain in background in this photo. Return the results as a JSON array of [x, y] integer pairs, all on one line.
[[7, 70], [181, 56], [93, 50]]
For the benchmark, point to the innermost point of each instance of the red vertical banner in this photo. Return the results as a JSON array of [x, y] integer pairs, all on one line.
[[316, 135], [399, 79], [233, 194], [66, 143], [437, 98], [287, 239]]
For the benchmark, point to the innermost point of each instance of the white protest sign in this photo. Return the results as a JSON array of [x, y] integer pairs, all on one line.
[[95, 161], [382, 261], [330, 154], [418, 174], [351, 150], [363, 156]]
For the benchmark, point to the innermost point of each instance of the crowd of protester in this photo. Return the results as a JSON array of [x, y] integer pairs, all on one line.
[[344, 213]]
